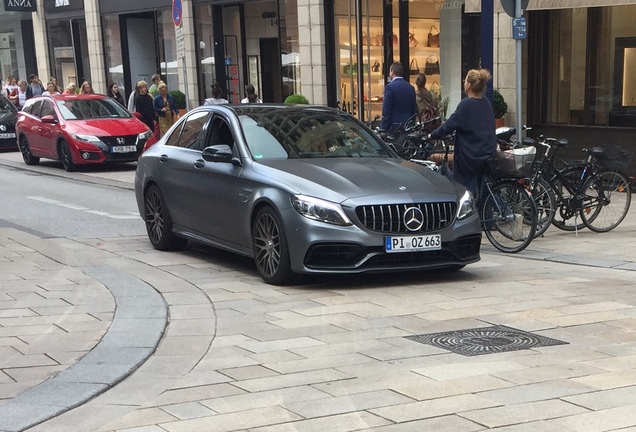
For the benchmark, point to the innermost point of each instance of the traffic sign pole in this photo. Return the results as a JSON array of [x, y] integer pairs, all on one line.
[[518, 74], [177, 19]]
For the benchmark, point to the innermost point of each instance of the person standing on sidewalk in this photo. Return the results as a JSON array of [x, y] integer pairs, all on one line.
[[154, 88], [399, 104], [113, 93], [166, 108], [35, 87], [144, 105]]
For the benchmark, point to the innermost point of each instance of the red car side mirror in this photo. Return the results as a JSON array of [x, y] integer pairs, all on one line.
[[49, 119]]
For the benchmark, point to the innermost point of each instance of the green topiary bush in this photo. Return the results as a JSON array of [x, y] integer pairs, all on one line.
[[499, 105], [179, 98], [296, 99]]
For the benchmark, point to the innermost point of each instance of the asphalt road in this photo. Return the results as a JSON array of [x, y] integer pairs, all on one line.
[[52, 206]]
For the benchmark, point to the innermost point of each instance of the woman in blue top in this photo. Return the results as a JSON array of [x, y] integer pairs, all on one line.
[[166, 108], [474, 125]]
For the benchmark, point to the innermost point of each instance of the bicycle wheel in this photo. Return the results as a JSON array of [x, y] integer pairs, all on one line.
[[546, 203], [509, 217], [608, 197], [564, 218]]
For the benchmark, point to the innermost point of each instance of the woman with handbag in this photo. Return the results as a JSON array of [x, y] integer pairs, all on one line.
[[474, 125], [426, 101]]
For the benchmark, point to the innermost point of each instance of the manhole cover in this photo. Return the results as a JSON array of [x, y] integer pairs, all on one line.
[[485, 340]]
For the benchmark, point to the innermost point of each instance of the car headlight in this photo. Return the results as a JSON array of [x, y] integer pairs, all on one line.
[[466, 206], [144, 135], [87, 138], [317, 209]]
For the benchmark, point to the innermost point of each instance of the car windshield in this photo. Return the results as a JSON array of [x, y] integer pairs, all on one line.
[[84, 109], [297, 134], [6, 105]]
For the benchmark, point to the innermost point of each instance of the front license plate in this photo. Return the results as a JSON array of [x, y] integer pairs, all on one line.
[[7, 135], [413, 243], [123, 149]]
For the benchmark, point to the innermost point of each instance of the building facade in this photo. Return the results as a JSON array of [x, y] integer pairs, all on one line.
[[578, 61]]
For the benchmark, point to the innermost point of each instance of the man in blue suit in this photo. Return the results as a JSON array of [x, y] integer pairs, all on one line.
[[399, 99]]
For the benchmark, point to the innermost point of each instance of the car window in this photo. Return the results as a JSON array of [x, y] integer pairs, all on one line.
[[34, 108], [193, 130], [47, 109], [6, 105], [173, 139], [289, 134], [82, 109], [220, 133]]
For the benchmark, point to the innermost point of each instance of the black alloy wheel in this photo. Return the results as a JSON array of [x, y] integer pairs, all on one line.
[[158, 222], [66, 157], [271, 252], [28, 157]]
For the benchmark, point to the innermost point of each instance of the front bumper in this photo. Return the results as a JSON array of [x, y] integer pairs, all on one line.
[[317, 247]]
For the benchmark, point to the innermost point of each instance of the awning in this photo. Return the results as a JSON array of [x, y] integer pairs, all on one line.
[[475, 5]]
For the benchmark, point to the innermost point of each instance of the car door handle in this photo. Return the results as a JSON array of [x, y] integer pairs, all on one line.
[[199, 163], [163, 158]]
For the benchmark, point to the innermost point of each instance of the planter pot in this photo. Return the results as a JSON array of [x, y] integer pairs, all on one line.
[[500, 122], [182, 111]]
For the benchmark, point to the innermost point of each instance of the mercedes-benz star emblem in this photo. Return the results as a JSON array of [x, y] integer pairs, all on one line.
[[413, 219], [3, 128], [402, 188]]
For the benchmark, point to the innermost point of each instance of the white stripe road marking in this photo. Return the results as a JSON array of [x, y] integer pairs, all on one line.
[[129, 215]]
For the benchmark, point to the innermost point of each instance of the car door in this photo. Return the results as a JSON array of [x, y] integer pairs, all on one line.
[[30, 125], [175, 168], [217, 187], [48, 132]]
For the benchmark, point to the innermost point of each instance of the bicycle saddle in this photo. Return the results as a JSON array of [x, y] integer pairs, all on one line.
[[594, 151]]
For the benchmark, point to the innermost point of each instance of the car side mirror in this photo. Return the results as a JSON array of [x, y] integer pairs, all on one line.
[[49, 119], [218, 153]]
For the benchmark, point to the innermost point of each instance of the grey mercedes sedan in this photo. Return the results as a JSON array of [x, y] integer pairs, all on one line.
[[301, 189]]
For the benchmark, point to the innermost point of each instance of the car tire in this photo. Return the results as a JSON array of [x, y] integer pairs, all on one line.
[[271, 252], [28, 157], [66, 157], [159, 223]]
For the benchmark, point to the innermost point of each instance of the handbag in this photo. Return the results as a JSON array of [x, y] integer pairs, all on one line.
[[412, 41], [432, 65], [414, 68], [375, 67], [433, 38], [395, 40]]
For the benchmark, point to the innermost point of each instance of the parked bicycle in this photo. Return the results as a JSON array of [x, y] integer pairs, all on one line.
[[507, 210], [596, 190]]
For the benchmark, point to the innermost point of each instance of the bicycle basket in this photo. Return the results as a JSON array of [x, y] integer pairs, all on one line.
[[614, 157], [516, 162]]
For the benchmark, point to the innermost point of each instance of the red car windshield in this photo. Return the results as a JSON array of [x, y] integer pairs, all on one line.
[[85, 109]]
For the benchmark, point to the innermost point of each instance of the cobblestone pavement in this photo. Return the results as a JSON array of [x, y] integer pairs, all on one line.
[[328, 355]]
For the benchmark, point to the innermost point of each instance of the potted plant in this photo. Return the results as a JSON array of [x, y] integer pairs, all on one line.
[[179, 100], [499, 107], [296, 99]]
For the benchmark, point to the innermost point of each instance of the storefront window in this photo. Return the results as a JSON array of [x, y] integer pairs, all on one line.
[[380, 46], [289, 48], [206, 45], [68, 47], [114, 59], [589, 80], [169, 64], [8, 57]]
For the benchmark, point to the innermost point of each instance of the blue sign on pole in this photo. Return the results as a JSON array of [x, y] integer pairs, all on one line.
[[519, 28], [177, 12]]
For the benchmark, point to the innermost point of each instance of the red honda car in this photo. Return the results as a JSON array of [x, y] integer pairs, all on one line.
[[79, 130]]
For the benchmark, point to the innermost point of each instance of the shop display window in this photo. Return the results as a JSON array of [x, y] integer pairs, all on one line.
[[380, 47]]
